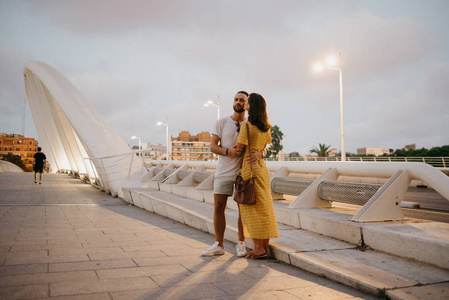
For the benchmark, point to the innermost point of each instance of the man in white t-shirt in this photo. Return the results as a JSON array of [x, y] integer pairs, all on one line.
[[223, 143]]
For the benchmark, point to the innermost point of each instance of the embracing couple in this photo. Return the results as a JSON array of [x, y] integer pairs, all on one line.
[[229, 139]]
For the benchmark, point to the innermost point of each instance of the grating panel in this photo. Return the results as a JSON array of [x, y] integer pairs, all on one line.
[[347, 192]]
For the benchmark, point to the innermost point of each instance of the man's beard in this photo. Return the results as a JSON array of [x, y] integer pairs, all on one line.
[[239, 110]]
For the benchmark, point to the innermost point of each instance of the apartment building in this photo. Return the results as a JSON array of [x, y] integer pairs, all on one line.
[[191, 147], [17, 144]]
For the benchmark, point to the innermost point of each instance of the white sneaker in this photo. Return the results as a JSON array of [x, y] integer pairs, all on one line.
[[240, 248], [213, 250]]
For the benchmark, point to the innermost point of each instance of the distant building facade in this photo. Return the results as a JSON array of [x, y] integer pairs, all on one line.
[[17, 144], [154, 151], [191, 147], [332, 152], [372, 151]]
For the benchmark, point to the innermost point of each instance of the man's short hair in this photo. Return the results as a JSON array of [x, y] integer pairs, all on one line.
[[243, 92], [39, 148]]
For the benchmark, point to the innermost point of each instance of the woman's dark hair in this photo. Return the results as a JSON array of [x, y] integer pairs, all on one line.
[[257, 113]]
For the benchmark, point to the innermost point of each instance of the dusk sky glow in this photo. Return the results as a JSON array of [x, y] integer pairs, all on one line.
[[143, 61]]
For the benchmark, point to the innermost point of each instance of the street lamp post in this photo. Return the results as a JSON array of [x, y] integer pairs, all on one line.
[[213, 103], [136, 137], [331, 64], [166, 135]]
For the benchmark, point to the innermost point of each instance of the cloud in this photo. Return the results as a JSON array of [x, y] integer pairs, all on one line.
[[109, 92], [12, 89], [11, 72], [140, 62], [223, 18], [374, 45], [110, 16]]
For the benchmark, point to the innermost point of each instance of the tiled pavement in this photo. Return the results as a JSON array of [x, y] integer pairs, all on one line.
[[67, 240]]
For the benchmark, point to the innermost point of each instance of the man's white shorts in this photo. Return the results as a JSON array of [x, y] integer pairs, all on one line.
[[223, 186]]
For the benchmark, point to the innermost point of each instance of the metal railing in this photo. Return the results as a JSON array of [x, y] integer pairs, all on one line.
[[437, 162]]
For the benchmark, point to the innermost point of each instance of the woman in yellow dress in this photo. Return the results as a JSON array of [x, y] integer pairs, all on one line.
[[259, 220]]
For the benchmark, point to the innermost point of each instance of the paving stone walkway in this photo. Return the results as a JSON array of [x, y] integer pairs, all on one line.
[[67, 240]]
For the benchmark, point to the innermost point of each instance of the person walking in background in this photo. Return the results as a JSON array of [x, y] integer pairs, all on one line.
[[259, 221], [39, 163]]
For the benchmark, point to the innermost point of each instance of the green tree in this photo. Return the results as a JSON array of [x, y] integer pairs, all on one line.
[[323, 150], [15, 159], [348, 154], [276, 141], [294, 154], [442, 151]]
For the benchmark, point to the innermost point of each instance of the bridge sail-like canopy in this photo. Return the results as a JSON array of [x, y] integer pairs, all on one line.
[[73, 134]]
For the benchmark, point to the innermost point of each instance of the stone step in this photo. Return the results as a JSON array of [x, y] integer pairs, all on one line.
[[348, 263], [424, 241]]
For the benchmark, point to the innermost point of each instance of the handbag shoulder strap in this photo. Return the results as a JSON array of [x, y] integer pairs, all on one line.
[[249, 148]]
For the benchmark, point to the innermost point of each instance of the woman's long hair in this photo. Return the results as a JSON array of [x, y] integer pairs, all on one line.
[[257, 113]]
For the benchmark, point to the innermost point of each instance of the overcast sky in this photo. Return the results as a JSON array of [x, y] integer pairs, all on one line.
[[140, 62]]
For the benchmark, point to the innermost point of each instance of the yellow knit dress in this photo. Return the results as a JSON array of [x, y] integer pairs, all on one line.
[[259, 220]]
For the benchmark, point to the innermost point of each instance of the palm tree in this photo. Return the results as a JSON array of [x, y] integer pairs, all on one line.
[[323, 150]]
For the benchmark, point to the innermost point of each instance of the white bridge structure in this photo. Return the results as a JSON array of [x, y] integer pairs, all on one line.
[[76, 139], [6, 166]]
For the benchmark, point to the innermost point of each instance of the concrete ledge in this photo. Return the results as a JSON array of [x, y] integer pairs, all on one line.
[[136, 198], [193, 194], [165, 187], [175, 212], [127, 195], [159, 207], [180, 191], [146, 202], [153, 184], [422, 241], [426, 242], [332, 224], [209, 198], [374, 272], [342, 261], [195, 220], [287, 216]]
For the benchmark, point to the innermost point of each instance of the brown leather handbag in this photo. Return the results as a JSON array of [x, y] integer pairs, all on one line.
[[244, 189]]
